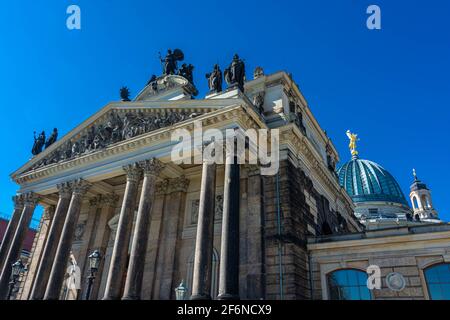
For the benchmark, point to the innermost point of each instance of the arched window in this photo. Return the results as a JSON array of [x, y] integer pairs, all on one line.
[[348, 284], [215, 274], [415, 204], [425, 202], [438, 281]]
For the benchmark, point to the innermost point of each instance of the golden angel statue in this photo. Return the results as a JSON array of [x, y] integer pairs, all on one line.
[[352, 145]]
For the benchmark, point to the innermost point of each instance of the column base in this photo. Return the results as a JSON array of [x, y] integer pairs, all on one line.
[[130, 298], [228, 296], [201, 297]]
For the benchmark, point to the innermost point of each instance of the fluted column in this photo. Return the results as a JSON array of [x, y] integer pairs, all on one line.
[[229, 251], [101, 237], [48, 255], [201, 286], [56, 278], [168, 251], [15, 249], [152, 168], [122, 239], [11, 229], [36, 252]]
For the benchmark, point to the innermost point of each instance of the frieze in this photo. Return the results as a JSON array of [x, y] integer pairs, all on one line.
[[218, 209], [115, 128]]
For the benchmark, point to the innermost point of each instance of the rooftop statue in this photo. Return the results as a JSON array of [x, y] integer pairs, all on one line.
[[235, 73], [52, 138], [125, 94], [39, 143], [186, 72], [170, 61], [215, 79], [352, 145]]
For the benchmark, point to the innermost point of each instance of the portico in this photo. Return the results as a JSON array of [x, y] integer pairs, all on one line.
[[115, 188]]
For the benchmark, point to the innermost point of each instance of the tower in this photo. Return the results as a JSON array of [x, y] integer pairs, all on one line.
[[421, 202]]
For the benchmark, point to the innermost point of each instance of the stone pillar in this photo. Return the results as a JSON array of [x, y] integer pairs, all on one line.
[[133, 284], [100, 239], [36, 252], [255, 276], [152, 268], [122, 239], [43, 273], [201, 286], [15, 249], [56, 278], [11, 229], [229, 251], [171, 229]]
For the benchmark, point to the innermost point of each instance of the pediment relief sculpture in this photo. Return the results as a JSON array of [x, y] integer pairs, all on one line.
[[113, 129]]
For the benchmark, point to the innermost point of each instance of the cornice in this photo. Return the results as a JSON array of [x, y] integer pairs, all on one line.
[[290, 135], [242, 115]]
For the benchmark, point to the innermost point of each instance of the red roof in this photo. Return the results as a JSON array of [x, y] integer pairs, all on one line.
[[28, 243]]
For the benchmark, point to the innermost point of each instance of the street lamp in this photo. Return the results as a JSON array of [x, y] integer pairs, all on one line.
[[94, 261], [180, 291], [18, 268]]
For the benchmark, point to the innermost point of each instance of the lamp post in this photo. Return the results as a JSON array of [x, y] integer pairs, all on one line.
[[18, 268], [180, 291], [94, 261]]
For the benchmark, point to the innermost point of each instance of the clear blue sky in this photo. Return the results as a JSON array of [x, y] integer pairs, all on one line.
[[390, 86]]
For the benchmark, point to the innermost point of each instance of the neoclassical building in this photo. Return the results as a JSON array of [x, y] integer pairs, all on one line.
[[226, 231]]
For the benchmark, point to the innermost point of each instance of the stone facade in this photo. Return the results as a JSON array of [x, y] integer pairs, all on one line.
[[408, 251], [143, 212]]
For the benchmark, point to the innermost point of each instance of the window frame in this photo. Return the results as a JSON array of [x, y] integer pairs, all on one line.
[[328, 287]]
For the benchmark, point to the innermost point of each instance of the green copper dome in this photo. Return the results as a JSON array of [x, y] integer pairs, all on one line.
[[367, 181]]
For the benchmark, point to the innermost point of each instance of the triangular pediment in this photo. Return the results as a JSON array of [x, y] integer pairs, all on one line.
[[171, 87], [114, 124]]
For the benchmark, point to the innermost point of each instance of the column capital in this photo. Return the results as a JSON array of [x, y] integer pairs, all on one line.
[[252, 169], [64, 189], [80, 186], [162, 186], [49, 211], [133, 172], [93, 202], [109, 199], [31, 199], [19, 201], [152, 167], [179, 184]]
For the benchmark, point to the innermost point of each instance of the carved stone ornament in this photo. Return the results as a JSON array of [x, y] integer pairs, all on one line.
[[218, 209], [395, 281], [133, 172], [80, 186], [79, 231], [258, 72], [112, 129], [162, 187], [258, 101], [152, 167], [31, 199], [19, 201], [252, 169], [158, 85], [178, 184], [48, 213], [64, 189], [109, 200]]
